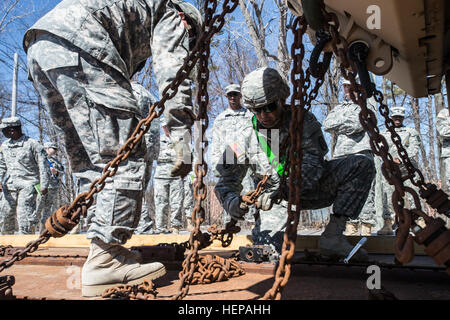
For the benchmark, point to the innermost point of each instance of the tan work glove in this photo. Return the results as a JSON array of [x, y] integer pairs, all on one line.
[[266, 200], [237, 208], [183, 162]]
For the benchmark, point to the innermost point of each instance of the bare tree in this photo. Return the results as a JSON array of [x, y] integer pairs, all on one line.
[[431, 140], [415, 106], [7, 16], [257, 28], [283, 59]]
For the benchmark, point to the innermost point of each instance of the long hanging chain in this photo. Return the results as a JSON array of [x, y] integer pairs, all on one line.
[[196, 239], [434, 235], [67, 217], [300, 103]]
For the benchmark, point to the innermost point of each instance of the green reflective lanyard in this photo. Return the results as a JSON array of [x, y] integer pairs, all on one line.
[[263, 143]]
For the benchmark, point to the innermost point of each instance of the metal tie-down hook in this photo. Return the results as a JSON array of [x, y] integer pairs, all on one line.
[[316, 68], [358, 52]]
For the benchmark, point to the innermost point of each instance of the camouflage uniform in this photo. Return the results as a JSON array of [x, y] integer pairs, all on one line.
[[225, 132], [145, 101], [169, 190], [351, 139], [188, 200], [344, 182], [23, 165], [410, 139], [443, 129], [48, 203], [81, 56]]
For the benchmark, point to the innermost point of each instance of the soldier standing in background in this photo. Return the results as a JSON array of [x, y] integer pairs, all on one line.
[[226, 127], [48, 203], [410, 139], [343, 121], [81, 57], [443, 129], [23, 172], [169, 190]]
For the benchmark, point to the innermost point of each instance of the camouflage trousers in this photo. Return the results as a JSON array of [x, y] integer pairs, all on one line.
[[168, 197], [83, 185], [270, 226], [145, 225], [446, 172], [20, 203], [89, 104], [46, 205], [188, 201], [368, 212], [345, 184], [387, 191]]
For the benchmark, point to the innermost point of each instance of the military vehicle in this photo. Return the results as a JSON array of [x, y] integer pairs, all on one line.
[[408, 40]]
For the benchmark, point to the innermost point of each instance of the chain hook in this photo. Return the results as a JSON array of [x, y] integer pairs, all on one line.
[[316, 68], [358, 52]]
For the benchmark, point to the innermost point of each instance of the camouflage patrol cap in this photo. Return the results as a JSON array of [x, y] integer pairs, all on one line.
[[263, 86], [10, 122], [232, 88], [50, 145], [397, 111]]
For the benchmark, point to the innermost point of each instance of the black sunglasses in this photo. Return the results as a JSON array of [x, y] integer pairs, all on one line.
[[271, 107], [233, 94]]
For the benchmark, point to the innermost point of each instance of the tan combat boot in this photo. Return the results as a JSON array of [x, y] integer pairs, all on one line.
[[107, 267], [351, 229], [189, 224], [333, 243], [366, 229], [175, 230], [386, 230]]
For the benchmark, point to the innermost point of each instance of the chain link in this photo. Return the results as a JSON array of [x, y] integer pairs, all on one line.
[[404, 248], [406, 218], [197, 239], [300, 103], [214, 269], [143, 291], [67, 217]]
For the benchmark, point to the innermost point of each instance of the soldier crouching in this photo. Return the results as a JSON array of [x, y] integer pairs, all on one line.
[[343, 183]]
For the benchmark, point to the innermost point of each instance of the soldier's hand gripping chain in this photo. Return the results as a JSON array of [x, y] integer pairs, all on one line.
[[264, 202], [238, 208]]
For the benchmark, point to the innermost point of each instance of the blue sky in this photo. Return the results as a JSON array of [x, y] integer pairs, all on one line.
[[32, 10]]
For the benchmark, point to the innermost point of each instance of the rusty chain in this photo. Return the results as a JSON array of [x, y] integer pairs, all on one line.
[[143, 291], [404, 249], [434, 235], [67, 217], [214, 269], [4, 250], [251, 197], [196, 238], [6, 283], [300, 103]]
